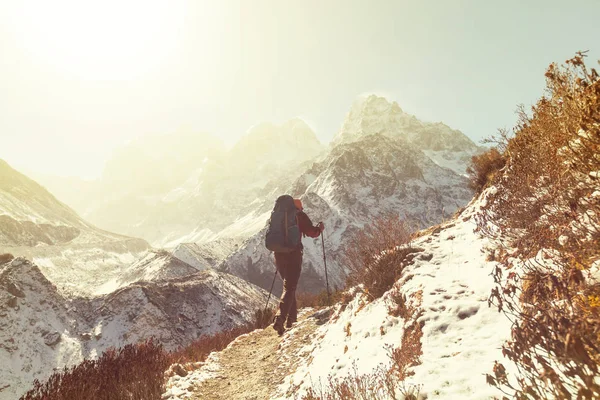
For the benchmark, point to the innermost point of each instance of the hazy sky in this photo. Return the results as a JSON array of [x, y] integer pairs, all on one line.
[[79, 78]]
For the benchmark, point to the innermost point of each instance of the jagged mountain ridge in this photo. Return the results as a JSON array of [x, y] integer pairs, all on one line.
[[42, 330], [373, 114], [357, 182]]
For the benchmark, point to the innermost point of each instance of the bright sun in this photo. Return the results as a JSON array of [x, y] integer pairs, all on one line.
[[108, 39]]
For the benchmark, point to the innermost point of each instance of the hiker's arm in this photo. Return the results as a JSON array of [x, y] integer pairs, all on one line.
[[307, 227]]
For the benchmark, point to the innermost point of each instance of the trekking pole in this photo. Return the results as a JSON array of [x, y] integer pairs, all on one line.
[[270, 291], [325, 261]]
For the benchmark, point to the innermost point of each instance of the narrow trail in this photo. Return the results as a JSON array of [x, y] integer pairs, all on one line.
[[254, 365]]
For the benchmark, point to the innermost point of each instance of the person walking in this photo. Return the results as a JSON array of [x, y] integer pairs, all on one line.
[[288, 253]]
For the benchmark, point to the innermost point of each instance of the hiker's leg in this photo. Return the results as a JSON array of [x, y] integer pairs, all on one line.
[[282, 261], [293, 314], [295, 267]]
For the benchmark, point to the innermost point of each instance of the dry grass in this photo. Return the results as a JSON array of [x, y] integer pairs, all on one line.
[[548, 208], [6, 257], [132, 372], [483, 168], [377, 254], [306, 299]]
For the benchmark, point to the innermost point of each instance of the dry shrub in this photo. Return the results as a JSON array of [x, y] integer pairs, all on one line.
[[206, 344], [6, 257], [409, 353], [383, 383], [377, 254], [547, 207], [483, 168], [132, 372], [306, 299]]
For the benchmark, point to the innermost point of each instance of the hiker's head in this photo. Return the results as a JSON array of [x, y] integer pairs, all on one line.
[[298, 204]]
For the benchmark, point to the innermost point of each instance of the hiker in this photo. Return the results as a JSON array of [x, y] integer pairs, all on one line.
[[288, 253]]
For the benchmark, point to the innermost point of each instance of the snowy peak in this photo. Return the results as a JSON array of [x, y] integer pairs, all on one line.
[[376, 167], [372, 114]]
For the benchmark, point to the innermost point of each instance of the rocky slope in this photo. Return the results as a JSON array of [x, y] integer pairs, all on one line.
[[74, 254], [41, 330], [206, 255], [32, 216]]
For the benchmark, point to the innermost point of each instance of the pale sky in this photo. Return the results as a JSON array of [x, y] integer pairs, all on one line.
[[80, 78]]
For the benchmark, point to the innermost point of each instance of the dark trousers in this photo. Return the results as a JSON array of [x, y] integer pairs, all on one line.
[[289, 266]]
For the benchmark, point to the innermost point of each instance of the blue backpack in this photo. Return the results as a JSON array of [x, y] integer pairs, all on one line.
[[283, 233]]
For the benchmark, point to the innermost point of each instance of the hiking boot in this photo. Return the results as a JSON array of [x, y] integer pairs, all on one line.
[[289, 323], [278, 326]]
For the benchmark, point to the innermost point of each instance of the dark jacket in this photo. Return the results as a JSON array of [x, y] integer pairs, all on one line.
[[306, 226]]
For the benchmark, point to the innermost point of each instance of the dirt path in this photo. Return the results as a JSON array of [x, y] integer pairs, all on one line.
[[253, 366]]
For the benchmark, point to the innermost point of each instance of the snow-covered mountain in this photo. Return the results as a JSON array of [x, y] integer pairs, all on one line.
[[32, 216], [356, 182], [267, 147], [206, 255], [186, 187], [72, 253], [372, 114], [131, 196], [382, 161], [41, 330], [227, 199]]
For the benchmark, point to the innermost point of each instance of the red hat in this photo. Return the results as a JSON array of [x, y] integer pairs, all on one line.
[[298, 204]]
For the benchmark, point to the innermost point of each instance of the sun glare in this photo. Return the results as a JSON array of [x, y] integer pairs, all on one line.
[[108, 39]]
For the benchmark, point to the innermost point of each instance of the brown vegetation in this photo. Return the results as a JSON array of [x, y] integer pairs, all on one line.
[[377, 254], [548, 207], [306, 299], [134, 372], [483, 168], [6, 257]]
